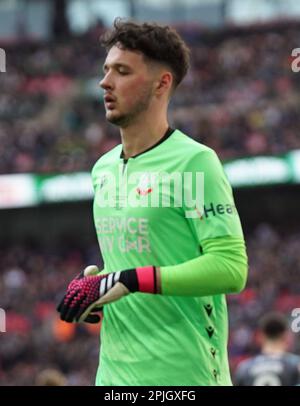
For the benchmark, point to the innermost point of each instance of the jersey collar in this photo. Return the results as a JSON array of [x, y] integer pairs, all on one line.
[[163, 138]]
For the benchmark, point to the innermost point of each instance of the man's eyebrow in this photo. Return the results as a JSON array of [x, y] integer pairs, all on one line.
[[116, 66]]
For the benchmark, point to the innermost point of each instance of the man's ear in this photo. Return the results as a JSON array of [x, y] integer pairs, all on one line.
[[165, 83]]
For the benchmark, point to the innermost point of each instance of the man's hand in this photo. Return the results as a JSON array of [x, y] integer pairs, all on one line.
[[89, 271], [87, 293]]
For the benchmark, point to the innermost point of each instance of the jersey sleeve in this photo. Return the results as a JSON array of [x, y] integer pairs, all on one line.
[[212, 212], [222, 266]]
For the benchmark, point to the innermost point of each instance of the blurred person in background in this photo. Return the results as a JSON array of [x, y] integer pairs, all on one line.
[[274, 366], [164, 323], [51, 377]]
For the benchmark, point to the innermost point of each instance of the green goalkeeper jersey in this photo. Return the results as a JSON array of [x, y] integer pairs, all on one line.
[[157, 208]]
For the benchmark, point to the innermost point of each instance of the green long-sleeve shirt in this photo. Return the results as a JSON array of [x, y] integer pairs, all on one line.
[[156, 210]]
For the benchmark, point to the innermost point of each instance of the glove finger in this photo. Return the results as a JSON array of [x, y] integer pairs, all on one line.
[[63, 308], [67, 303], [92, 318], [73, 308], [85, 311]]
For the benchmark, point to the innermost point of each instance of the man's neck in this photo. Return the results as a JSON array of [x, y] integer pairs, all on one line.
[[141, 136], [274, 348]]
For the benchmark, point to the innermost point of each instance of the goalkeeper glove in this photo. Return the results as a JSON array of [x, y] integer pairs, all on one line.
[[89, 271], [86, 294]]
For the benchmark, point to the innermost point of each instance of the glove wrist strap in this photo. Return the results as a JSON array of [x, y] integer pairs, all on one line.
[[142, 279], [146, 279]]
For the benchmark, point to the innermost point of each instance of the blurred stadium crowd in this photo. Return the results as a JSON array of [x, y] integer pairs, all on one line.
[[240, 97], [34, 278], [32, 282]]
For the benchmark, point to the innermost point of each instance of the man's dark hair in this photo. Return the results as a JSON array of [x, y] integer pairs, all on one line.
[[156, 42], [273, 325]]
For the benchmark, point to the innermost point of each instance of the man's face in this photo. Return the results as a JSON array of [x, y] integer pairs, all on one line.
[[128, 86]]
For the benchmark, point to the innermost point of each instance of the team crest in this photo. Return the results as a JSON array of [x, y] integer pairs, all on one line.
[[145, 185]]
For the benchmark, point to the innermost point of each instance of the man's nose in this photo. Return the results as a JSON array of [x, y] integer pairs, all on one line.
[[106, 83]]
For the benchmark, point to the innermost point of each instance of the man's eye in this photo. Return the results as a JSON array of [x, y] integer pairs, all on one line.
[[123, 71]]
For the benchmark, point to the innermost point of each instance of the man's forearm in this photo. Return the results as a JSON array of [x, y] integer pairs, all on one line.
[[222, 269]]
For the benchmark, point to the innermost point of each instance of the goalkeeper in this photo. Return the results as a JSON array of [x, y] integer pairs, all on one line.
[[167, 266]]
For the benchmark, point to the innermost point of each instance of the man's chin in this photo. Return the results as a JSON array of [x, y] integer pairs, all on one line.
[[116, 119]]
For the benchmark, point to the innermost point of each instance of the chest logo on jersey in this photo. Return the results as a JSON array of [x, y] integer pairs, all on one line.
[[145, 185]]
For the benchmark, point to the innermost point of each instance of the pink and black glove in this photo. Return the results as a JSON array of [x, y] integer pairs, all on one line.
[[86, 295], [89, 271]]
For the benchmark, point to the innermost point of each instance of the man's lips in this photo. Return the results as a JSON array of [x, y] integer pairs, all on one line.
[[109, 101]]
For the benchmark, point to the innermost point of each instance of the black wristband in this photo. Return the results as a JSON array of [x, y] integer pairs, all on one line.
[[129, 279]]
